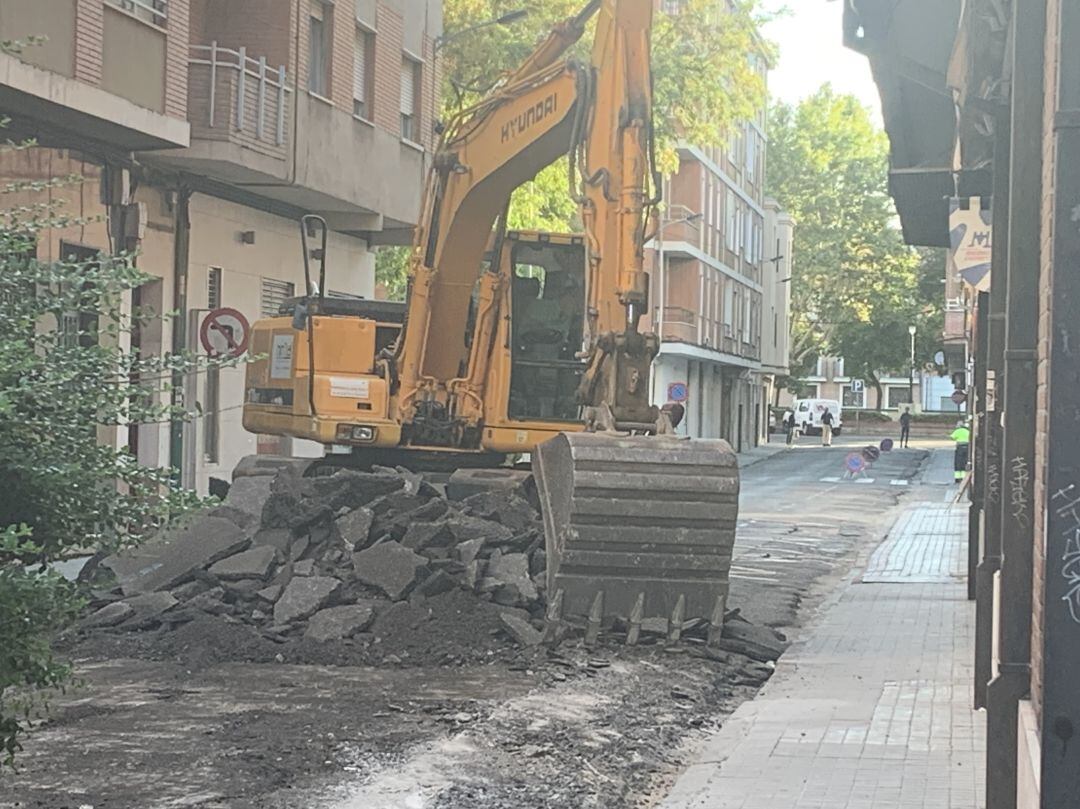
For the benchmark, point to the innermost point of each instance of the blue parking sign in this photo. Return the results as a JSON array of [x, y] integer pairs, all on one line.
[[676, 392]]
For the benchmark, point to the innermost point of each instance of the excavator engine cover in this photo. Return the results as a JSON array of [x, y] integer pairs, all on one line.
[[638, 526]]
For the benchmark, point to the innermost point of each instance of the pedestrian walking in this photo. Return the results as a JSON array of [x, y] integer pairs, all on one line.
[[905, 427], [826, 428], [789, 427], [962, 436]]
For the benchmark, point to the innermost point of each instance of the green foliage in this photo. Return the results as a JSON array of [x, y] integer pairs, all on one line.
[[708, 76], [856, 286], [392, 270], [33, 605], [69, 383]]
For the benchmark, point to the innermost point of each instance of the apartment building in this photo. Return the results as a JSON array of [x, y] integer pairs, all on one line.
[[718, 311], [203, 130]]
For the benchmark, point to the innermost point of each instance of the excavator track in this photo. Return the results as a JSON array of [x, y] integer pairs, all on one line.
[[637, 528]]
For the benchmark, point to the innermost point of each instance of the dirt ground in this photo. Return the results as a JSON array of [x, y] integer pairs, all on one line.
[[431, 708]]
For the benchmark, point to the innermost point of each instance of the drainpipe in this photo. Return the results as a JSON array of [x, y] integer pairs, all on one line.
[[991, 527], [181, 247], [1059, 660], [1012, 680]]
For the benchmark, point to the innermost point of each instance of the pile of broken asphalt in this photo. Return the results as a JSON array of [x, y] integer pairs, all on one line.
[[346, 568]]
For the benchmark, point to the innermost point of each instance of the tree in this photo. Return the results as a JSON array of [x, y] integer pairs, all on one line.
[[856, 287], [708, 76], [67, 380]]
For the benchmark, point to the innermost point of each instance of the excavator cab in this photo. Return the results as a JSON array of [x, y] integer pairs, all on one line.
[[547, 301]]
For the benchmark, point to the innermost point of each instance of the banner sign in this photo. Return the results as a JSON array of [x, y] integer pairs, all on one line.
[[971, 240]]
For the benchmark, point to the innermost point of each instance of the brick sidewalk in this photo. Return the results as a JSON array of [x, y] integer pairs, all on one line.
[[872, 709]]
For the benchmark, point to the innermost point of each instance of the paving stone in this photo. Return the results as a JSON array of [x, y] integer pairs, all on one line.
[[149, 606], [304, 568], [511, 571], [109, 615], [249, 495], [172, 557], [355, 527], [465, 528], [520, 629], [504, 507], [279, 538], [210, 601], [271, 593], [389, 566], [467, 551], [255, 563], [421, 535], [304, 596], [437, 583], [335, 623]]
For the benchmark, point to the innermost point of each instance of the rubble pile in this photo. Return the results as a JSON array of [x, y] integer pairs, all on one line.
[[328, 557]]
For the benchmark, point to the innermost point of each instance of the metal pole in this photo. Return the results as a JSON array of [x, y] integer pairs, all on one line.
[[241, 90], [181, 247], [1012, 680], [991, 561], [213, 80], [1059, 660], [911, 372]]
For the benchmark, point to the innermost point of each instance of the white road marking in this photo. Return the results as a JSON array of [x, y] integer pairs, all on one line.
[[864, 480], [830, 480], [898, 482]]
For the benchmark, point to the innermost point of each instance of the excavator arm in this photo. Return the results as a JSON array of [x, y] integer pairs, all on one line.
[[526, 122]]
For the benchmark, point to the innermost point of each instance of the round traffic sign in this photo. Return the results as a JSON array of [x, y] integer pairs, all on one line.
[[854, 463], [886, 445], [871, 453], [958, 397], [677, 392], [225, 333]]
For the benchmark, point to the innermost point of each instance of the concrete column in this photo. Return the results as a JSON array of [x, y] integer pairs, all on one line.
[[991, 560], [1060, 659], [1017, 394]]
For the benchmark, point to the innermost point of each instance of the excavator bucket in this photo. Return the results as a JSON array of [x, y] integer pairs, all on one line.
[[637, 528]]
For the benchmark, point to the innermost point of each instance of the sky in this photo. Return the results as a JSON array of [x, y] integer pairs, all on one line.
[[810, 38]]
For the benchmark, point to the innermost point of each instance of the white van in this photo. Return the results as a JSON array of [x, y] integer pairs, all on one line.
[[808, 415]]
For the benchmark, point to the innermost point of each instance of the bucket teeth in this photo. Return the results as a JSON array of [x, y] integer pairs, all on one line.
[[638, 528]]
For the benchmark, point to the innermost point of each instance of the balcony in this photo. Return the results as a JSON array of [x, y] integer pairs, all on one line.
[[69, 89], [234, 98], [253, 129], [682, 325]]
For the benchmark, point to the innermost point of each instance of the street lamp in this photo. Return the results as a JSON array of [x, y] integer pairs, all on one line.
[[911, 366], [506, 19]]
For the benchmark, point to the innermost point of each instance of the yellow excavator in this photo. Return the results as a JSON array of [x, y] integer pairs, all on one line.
[[516, 343]]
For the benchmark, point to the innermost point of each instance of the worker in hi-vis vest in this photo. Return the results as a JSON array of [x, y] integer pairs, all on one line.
[[962, 436]]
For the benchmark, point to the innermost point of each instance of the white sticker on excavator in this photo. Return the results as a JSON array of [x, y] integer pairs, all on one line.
[[349, 388], [281, 356]]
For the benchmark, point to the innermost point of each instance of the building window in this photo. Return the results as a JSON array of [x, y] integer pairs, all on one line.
[[776, 329], [363, 70], [853, 398], [732, 223], [151, 11], [896, 396], [729, 307], [321, 17], [751, 151], [213, 288], [410, 98], [274, 294]]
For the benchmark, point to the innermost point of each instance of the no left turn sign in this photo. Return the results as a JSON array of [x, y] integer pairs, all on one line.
[[225, 333]]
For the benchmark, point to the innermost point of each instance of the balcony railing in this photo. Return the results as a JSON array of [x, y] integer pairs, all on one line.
[[681, 325], [234, 97]]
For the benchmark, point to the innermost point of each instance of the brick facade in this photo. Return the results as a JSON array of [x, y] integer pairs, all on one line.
[[1042, 414], [176, 58], [89, 35]]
